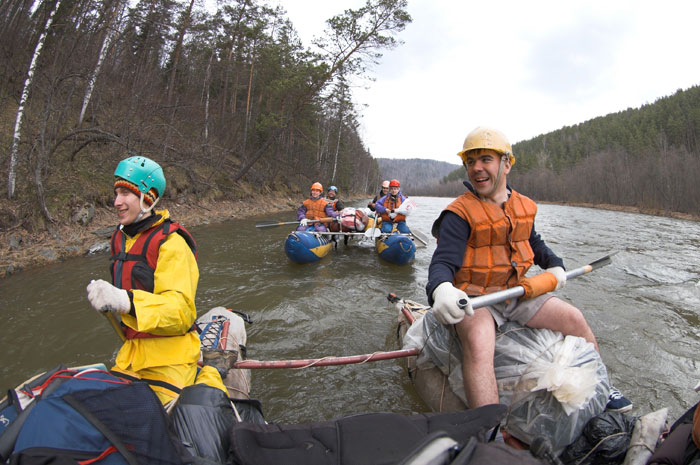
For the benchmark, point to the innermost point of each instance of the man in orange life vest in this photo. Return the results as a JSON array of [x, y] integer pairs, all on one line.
[[154, 281], [387, 206], [315, 208], [486, 243]]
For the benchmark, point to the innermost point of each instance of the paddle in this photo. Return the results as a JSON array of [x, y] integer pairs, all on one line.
[[477, 302], [373, 233], [273, 224], [420, 236], [518, 291], [115, 325]]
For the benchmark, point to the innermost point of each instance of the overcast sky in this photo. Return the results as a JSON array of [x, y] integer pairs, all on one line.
[[524, 67]]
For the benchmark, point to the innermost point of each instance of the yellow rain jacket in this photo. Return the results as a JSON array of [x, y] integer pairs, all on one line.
[[168, 311]]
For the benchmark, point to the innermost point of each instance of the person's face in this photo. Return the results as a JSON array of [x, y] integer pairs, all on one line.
[[315, 193], [385, 190], [331, 194], [128, 205], [482, 170], [393, 190]]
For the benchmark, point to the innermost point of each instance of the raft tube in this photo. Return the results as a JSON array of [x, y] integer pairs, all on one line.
[[306, 247], [396, 249]]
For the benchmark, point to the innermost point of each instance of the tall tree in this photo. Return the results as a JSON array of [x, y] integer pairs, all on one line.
[[12, 172]]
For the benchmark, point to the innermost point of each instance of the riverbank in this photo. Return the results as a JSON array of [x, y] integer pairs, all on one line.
[[623, 208], [22, 250]]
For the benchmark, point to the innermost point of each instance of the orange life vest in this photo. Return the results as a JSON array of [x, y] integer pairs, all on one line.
[[135, 269], [392, 204], [498, 252], [315, 209]]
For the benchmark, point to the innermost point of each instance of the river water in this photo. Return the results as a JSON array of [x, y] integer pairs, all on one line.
[[643, 309]]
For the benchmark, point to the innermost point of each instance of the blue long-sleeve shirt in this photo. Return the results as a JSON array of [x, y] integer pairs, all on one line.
[[453, 233]]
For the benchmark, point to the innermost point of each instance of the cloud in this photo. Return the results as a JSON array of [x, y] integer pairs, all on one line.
[[526, 68]]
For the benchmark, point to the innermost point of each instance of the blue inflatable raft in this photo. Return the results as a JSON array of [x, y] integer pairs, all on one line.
[[306, 247], [396, 249]]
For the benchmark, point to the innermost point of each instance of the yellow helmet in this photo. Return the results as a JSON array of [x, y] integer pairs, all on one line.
[[487, 138]]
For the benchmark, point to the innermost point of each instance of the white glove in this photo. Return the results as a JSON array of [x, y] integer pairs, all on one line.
[[560, 274], [392, 215], [445, 304], [106, 298], [304, 222]]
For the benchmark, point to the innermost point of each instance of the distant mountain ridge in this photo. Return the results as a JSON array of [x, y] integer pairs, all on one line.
[[414, 173]]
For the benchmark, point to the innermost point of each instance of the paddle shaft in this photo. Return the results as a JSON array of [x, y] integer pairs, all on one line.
[[115, 325], [282, 223], [518, 291]]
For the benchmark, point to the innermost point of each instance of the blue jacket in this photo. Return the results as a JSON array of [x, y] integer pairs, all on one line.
[[453, 233]]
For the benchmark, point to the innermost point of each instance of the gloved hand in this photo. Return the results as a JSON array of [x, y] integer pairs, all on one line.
[[560, 274], [445, 306], [304, 222], [106, 298], [392, 215]]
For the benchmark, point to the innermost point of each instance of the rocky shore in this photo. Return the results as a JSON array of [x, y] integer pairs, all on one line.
[[90, 230]]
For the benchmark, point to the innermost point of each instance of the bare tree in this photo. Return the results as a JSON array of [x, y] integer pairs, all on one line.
[[12, 172]]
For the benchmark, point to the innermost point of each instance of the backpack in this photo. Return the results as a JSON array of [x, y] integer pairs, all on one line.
[[94, 417]]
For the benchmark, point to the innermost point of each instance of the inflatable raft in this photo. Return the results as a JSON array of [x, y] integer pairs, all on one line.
[[306, 246], [396, 249]]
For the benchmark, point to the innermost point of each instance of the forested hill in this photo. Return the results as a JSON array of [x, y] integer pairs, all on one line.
[[228, 100], [414, 173], [647, 157]]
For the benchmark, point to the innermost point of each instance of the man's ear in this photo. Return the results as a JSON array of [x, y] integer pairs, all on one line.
[[506, 164]]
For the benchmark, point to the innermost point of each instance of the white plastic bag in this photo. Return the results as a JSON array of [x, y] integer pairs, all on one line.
[[552, 384]]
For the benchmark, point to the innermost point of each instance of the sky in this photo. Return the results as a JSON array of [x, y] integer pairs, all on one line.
[[524, 67]]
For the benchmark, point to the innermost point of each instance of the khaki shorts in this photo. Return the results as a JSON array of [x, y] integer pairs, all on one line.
[[518, 310]]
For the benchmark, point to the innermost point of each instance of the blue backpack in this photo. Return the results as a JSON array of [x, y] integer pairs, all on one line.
[[92, 417]]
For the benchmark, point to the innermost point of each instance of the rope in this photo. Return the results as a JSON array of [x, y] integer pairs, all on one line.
[[597, 445]]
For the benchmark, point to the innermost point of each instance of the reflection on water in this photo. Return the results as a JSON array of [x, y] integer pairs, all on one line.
[[643, 309]]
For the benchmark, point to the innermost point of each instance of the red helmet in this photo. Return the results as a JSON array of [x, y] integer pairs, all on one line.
[[394, 183]]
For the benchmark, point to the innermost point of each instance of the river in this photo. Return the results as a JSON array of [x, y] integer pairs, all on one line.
[[643, 309]]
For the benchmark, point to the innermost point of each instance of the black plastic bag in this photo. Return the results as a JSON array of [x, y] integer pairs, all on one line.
[[609, 433]]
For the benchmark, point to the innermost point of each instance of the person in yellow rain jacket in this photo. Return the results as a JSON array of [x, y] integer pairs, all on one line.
[[154, 282]]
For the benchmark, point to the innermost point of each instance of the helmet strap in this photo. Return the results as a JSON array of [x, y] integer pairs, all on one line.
[[145, 210]]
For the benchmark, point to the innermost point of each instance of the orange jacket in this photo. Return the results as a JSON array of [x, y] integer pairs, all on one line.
[[498, 252], [392, 204], [315, 209]]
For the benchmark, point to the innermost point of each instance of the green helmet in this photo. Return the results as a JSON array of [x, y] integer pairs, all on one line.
[[142, 172]]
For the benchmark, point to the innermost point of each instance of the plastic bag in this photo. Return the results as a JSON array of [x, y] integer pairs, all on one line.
[[533, 368], [602, 433]]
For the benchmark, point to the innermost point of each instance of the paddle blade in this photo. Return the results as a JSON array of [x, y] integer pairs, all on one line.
[[373, 233], [420, 237]]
